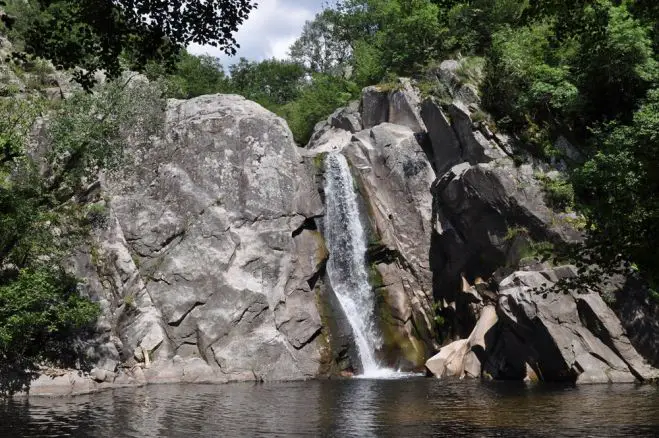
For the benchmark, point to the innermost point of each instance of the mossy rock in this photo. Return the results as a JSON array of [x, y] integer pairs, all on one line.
[[319, 161], [334, 346], [398, 348]]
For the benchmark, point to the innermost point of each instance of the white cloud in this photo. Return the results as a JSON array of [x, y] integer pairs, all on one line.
[[269, 31]]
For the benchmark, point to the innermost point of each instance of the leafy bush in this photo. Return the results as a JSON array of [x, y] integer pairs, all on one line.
[[98, 215], [471, 70], [271, 83], [559, 192], [41, 312], [193, 76], [318, 100], [91, 131]]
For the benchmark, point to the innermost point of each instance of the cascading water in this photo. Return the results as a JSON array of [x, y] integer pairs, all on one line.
[[346, 267]]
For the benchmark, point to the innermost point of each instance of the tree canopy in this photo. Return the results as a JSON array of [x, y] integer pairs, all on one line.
[[96, 34]]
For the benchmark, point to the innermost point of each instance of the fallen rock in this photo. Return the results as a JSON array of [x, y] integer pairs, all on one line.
[[463, 358]]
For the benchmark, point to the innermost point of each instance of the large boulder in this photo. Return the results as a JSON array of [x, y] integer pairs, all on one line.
[[562, 336], [206, 268], [536, 333]]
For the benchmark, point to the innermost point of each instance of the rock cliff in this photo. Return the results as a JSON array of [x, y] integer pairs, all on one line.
[[491, 218], [210, 266], [206, 267]]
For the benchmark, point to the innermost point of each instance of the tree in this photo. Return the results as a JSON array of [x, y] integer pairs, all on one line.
[[317, 100], [192, 76], [43, 217], [393, 36], [525, 80], [94, 34], [616, 63], [319, 49], [271, 83], [472, 24], [619, 188]]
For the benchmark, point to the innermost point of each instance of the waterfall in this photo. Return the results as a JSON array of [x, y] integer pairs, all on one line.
[[346, 267]]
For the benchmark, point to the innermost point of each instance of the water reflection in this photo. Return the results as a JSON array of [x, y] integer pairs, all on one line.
[[345, 408]]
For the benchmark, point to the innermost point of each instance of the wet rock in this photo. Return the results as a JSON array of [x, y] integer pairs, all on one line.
[[394, 176]]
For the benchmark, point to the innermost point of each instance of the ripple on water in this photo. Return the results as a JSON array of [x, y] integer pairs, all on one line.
[[388, 406]]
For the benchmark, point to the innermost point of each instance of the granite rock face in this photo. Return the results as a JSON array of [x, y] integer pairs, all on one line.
[[211, 266], [490, 216], [538, 334], [393, 176], [205, 271]]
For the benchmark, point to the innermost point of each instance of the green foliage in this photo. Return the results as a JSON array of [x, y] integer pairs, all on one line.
[[97, 215], [41, 312], [616, 64], [96, 34], [543, 251], [192, 76], [16, 120], [520, 84], [471, 70], [559, 192], [317, 100], [369, 66], [41, 219], [89, 132], [619, 187], [271, 83], [129, 301], [513, 232], [472, 23], [388, 35], [319, 48]]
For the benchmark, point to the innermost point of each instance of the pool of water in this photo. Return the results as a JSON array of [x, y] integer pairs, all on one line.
[[342, 408]]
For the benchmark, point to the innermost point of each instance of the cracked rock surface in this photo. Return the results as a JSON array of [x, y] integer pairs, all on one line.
[[209, 262]]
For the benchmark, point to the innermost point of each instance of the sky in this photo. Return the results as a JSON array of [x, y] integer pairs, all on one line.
[[269, 31]]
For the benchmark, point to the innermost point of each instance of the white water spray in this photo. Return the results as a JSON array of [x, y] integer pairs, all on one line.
[[346, 267]]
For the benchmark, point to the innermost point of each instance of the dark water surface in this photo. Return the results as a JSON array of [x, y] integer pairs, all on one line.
[[350, 408]]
